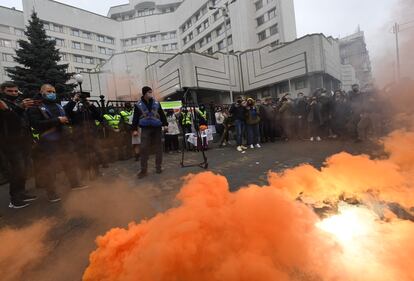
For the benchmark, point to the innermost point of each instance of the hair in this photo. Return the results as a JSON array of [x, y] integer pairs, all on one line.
[[45, 86], [7, 84], [145, 90]]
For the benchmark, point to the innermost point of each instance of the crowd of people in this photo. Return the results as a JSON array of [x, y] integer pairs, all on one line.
[[44, 136]]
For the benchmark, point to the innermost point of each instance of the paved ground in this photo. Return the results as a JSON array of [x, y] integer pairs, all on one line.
[[118, 198]]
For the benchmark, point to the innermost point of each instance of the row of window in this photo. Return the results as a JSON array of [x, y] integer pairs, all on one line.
[[81, 59], [143, 13], [148, 39], [266, 17], [79, 33], [83, 46], [6, 29], [259, 4], [207, 39], [274, 29], [7, 57], [5, 43], [197, 15]]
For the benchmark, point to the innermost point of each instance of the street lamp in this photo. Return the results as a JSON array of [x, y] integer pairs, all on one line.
[[226, 13], [79, 79]]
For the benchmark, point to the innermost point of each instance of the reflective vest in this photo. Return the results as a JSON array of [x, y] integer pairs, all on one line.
[[113, 120], [35, 135], [186, 120], [149, 118], [126, 115], [203, 114]]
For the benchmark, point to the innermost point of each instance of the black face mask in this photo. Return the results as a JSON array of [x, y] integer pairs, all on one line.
[[10, 98]]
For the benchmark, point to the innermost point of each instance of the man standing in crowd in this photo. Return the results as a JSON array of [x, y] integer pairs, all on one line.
[[149, 116], [238, 113], [15, 142], [252, 123], [54, 148], [186, 125], [301, 111], [84, 118]]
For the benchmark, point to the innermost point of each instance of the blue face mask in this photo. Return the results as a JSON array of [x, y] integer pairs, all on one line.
[[50, 97]]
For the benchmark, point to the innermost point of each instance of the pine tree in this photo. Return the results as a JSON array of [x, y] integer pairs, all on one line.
[[38, 62]]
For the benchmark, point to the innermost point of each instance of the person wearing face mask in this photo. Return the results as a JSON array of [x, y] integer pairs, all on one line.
[[54, 149], [252, 122], [238, 114], [15, 142], [149, 116]]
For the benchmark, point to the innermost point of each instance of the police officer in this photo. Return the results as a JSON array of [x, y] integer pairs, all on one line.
[[112, 123], [83, 117], [186, 125], [54, 148], [126, 129], [149, 116], [15, 142]]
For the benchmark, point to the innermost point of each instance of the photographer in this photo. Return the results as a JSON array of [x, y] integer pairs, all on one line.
[[54, 148], [15, 142], [84, 117]]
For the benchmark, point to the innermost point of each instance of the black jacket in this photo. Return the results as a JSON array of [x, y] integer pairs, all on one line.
[[14, 127], [138, 113], [238, 112]]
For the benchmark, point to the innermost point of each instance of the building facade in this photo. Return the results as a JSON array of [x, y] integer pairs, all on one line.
[[354, 52], [87, 40]]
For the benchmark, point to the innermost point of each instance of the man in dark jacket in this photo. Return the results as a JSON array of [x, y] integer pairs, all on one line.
[[238, 114], [15, 142], [54, 148], [149, 116]]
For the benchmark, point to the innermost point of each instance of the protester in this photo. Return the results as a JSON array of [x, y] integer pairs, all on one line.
[[238, 114], [15, 142], [287, 116], [149, 116], [171, 135], [54, 149], [340, 114], [220, 117], [267, 121], [301, 111], [314, 119], [252, 122]]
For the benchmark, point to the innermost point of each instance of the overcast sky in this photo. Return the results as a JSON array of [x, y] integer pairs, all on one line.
[[331, 17]]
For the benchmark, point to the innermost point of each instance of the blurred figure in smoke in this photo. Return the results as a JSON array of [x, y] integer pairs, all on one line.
[[340, 114], [171, 135], [126, 130], [84, 118], [149, 116], [287, 117], [238, 113], [314, 119], [266, 116], [252, 123], [112, 122], [186, 124], [54, 148], [15, 142], [301, 110]]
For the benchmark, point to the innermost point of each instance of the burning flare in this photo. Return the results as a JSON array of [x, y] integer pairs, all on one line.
[[273, 232]]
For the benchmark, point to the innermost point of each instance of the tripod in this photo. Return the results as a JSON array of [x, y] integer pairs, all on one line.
[[188, 102]]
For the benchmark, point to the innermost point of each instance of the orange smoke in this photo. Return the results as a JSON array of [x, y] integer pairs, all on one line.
[[264, 234]]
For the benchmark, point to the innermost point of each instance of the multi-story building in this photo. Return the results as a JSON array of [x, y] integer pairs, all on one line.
[[86, 40], [354, 52]]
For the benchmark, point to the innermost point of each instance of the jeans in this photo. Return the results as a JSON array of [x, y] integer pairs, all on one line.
[[240, 127], [151, 137], [253, 132]]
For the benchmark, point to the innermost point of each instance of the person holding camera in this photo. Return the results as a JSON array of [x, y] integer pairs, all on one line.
[[54, 148], [15, 142], [84, 118], [149, 116]]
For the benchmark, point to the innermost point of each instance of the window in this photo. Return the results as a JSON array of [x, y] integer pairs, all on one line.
[[7, 57], [220, 45], [190, 36], [216, 16], [109, 51], [102, 50], [60, 42], [210, 50], [126, 42], [145, 39], [274, 44], [109, 40], [300, 84], [134, 41], [202, 42], [206, 24], [75, 32], [46, 26], [164, 36], [58, 28], [258, 4], [274, 29], [219, 30], [260, 20], [88, 47], [86, 35], [77, 58], [5, 43], [19, 32], [101, 38], [88, 60], [63, 56], [230, 40], [185, 40], [166, 48], [76, 45], [78, 69], [272, 13], [173, 35], [262, 35], [153, 38], [174, 46], [208, 38]]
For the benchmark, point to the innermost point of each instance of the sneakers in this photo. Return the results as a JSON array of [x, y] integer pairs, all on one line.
[[80, 187], [312, 139], [53, 197], [258, 146], [239, 148], [18, 204], [28, 198], [251, 146], [142, 175], [318, 138], [243, 147]]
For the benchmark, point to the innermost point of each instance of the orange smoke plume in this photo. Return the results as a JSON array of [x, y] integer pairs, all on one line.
[[265, 234]]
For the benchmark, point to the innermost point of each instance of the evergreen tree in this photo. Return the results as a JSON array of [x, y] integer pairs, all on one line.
[[38, 62]]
